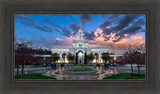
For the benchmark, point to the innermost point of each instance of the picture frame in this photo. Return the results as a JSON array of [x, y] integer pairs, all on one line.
[[66, 78], [150, 8]]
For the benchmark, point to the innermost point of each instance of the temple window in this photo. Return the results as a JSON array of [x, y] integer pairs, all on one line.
[[80, 45]]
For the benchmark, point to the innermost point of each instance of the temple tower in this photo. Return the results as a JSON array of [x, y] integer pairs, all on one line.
[[80, 32]]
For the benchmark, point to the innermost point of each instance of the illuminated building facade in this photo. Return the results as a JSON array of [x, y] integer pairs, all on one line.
[[79, 48]]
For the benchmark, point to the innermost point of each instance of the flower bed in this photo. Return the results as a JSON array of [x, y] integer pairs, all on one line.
[[80, 69], [70, 65]]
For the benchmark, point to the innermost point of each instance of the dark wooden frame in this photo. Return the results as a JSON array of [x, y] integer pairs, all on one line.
[[9, 86]]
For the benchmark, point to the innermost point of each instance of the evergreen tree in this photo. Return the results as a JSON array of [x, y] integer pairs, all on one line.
[[106, 57], [90, 57], [85, 58], [70, 57], [76, 58], [55, 57]]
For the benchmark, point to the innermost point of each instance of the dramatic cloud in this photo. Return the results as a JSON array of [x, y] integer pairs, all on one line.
[[126, 25], [130, 30], [89, 35], [65, 32], [104, 24], [114, 19], [57, 30], [54, 25], [124, 22], [124, 28], [106, 38], [43, 28], [29, 19], [33, 23], [140, 22], [118, 47], [74, 27], [62, 30], [85, 19], [117, 32]]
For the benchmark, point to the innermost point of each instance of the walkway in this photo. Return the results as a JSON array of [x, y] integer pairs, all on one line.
[[101, 73]]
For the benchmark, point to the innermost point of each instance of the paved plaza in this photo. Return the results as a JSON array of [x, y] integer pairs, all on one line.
[[99, 75]]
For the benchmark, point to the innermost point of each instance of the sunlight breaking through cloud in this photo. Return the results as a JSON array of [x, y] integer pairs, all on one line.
[[117, 47]]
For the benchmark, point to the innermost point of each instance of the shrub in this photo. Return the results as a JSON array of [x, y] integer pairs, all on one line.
[[80, 69]]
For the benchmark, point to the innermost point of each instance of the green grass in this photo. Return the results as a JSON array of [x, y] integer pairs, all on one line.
[[33, 76], [125, 76]]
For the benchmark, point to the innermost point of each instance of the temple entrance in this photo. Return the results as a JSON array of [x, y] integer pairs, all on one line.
[[64, 58], [96, 58], [80, 57]]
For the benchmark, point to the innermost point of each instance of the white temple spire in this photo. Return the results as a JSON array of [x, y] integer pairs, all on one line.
[[80, 32]]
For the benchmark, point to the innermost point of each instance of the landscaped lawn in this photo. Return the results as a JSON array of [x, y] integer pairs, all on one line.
[[125, 76], [34, 76]]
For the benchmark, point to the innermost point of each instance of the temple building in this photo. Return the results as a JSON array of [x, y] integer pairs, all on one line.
[[79, 48]]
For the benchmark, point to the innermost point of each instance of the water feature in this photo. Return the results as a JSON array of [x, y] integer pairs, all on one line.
[[100, 73], [44, 69]]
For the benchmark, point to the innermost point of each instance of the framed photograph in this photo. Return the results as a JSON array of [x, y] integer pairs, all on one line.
[[78, 47]]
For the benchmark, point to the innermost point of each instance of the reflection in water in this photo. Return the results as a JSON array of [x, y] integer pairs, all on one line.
[[44, 69], [99, 75], [26, 71], [48, 73]]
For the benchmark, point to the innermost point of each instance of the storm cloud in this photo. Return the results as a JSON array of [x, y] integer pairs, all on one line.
[[65, 32], [104, 24], [125, 22], [62, 30], [125, 27], [28, 21], [89, 35], [74, 27], [86, 19]]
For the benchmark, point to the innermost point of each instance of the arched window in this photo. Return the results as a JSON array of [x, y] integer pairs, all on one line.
[[80, 45]]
